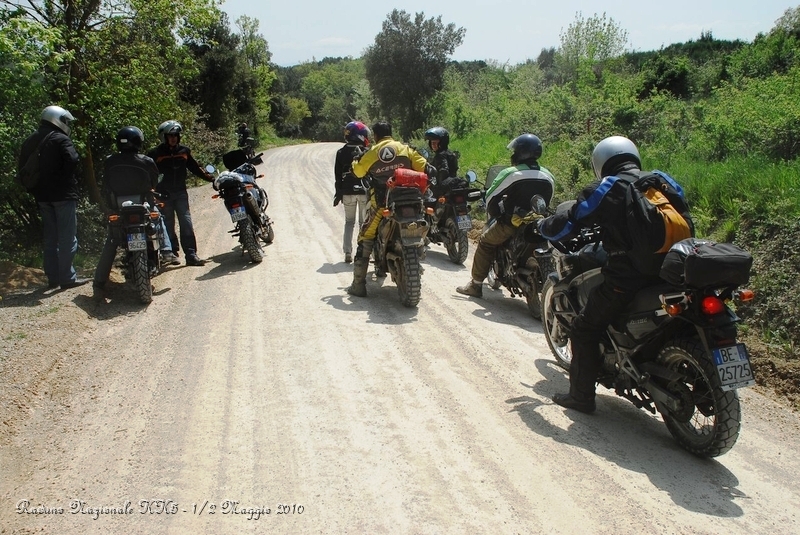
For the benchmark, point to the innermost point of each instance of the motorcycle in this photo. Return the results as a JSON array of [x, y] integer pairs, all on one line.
[[137, 229], [401, 233], [247, 144], [245, 201], [674, 350], [522, 263], [450, 221]]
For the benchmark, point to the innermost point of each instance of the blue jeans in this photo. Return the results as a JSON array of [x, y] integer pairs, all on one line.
[[60, 222], [178, 203]]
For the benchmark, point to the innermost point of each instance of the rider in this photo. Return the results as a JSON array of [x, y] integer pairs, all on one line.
[[173, 161], [601, 203], [444, 160], [128, 172], [509, 194], [380, 162], [350, 189]]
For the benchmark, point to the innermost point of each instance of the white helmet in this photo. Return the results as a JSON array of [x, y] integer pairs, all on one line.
[[58, 116], [611, 152]]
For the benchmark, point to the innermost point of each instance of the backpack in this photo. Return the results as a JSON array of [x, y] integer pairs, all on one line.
[[657, 217], [28, 174]]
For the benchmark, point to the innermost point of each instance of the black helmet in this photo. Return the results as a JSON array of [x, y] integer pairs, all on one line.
[[440, 134], [130, 139], [611, 153], [169, 127], [525, 147], [356, 133], [381, 130]]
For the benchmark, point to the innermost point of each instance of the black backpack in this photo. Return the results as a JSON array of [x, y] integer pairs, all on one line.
[[28, 174], [658, 217]]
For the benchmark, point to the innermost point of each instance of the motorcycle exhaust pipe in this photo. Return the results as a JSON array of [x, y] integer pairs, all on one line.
[[252, 205]]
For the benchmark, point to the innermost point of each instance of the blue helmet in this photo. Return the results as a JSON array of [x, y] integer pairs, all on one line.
[[356, 133]]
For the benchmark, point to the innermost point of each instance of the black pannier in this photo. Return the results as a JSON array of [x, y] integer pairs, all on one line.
[[698, 263]]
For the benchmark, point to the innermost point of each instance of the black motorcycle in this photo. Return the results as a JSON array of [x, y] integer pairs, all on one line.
[[450, 220], [136, 226], [246, 202], [674, 350], [402, 232]]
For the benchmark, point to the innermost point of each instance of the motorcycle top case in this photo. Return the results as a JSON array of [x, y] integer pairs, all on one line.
[[697, 263]]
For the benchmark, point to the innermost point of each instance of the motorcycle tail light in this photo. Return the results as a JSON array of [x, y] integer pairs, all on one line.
[[386, 212], [235, 205], [113, 218], [712, 305], [429, 211], [134, 218], [154, 215], [442, 200]]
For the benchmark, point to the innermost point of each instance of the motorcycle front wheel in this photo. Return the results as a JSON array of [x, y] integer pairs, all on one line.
[[492, 280], [458, 242], [409, 278], [140, 272], [708, 422], [554, 331], [269, 235]]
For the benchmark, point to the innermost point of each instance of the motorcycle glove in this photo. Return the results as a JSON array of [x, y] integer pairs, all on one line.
[[337, 199]]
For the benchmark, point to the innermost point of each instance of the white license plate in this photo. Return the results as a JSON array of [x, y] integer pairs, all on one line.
[[464, 222], [733, 366], [237, 214], [136, 241]]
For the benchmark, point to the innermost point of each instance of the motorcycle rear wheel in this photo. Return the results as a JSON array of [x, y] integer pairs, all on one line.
[[409, 278], [140, 272], [554, 332], [458, 247], [250, 244], [710, 422]]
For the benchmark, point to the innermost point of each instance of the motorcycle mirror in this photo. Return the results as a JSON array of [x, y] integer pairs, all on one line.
[[538, 204], [472, 176], [211, 169]]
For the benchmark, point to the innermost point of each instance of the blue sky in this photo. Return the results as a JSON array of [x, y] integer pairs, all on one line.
[[501, 30]]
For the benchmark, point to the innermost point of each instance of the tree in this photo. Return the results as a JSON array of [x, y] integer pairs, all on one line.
[[588, 42], [405, 66]]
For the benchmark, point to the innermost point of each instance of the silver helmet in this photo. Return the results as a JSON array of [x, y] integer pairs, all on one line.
[[58, 116], [611, 152], [169, 127]]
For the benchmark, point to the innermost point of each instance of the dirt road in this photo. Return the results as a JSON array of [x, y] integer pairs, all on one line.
[[263, 399]]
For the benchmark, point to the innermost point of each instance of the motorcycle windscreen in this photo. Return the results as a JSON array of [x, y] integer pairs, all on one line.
[[234, 159]]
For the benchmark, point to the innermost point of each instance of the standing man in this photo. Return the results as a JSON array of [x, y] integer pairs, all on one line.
[[350, 189], [56, 194], [380, 162], [173, 161]]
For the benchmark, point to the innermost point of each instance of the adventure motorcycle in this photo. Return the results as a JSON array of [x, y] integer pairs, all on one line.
[[522, 263], [245, 201], [450, 220], [402, 232], [674, 350], [137, 228]]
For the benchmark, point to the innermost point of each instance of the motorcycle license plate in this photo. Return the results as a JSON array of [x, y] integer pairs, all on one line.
[[464, 222], [733, 366], [136, 241], [238, 213]]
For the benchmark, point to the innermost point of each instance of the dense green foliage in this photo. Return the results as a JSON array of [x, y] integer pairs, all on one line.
[[721, 116]]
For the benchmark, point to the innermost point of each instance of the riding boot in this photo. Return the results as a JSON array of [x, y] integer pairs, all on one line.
[[360, 264]]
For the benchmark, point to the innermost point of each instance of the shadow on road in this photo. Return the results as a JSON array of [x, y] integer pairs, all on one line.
[[635, 441]]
